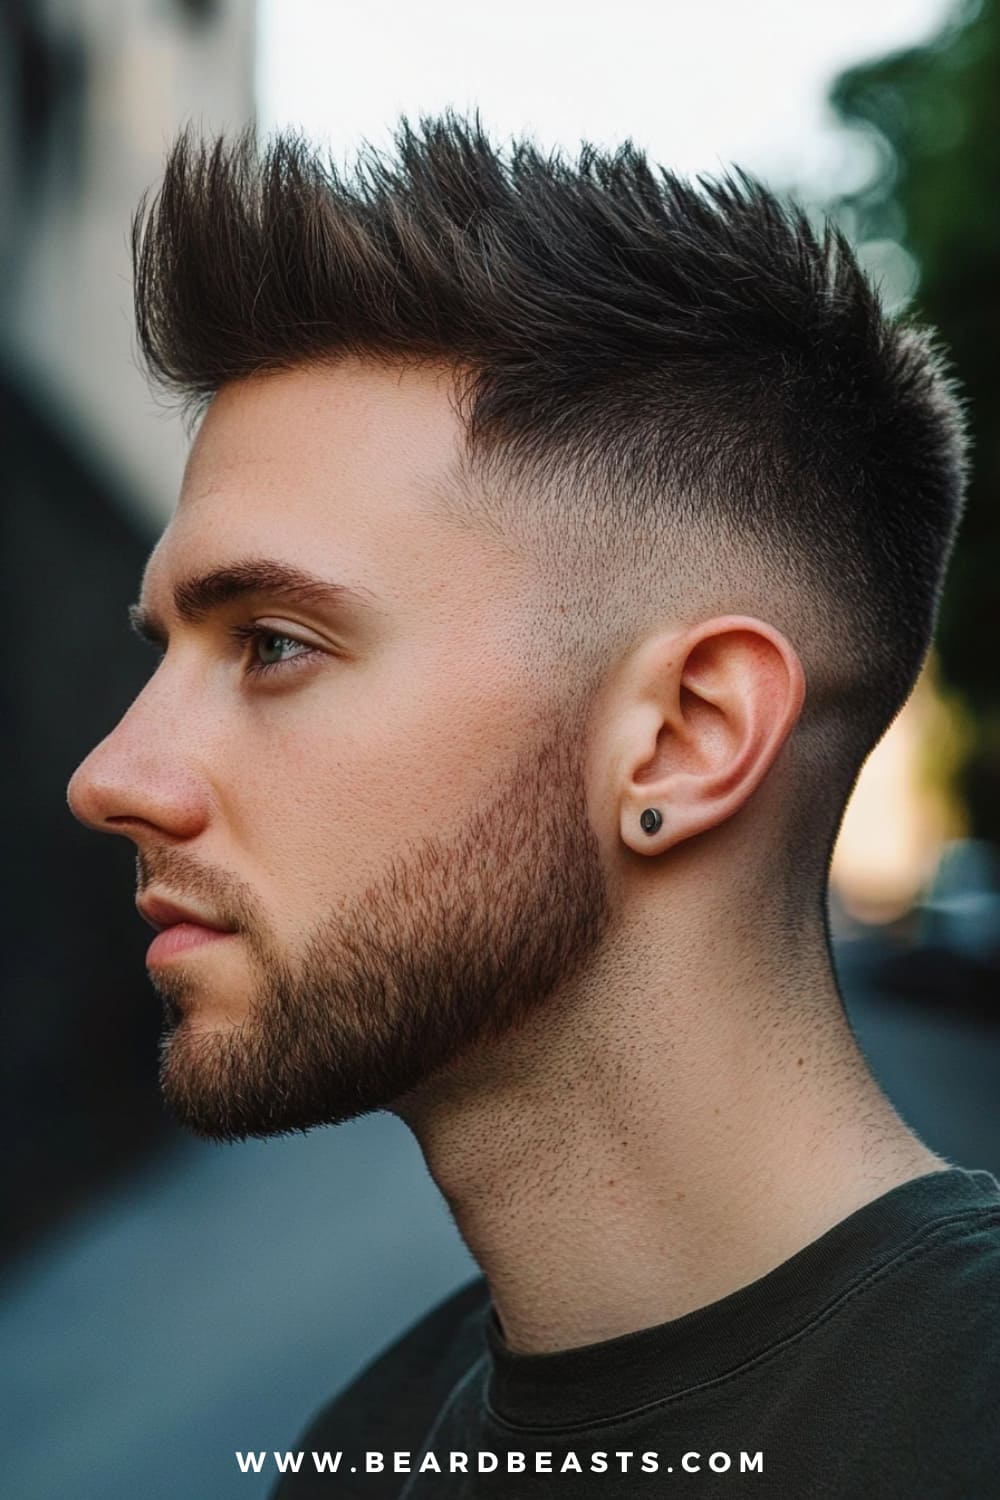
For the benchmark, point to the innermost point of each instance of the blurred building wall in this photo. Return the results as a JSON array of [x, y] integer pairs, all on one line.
[[91, 92]]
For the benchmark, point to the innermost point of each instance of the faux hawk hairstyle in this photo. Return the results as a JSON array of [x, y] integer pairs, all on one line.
[[680, 396]]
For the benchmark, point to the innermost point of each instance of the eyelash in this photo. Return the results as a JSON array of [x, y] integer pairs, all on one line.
[[263, 668]]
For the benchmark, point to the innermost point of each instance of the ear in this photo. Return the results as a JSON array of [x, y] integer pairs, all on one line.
[[709, 711]]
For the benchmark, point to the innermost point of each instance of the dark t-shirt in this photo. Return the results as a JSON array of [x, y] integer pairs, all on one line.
[[866, 1365]]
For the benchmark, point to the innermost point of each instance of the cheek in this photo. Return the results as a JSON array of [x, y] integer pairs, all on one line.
[[447, 725], [334, 780]]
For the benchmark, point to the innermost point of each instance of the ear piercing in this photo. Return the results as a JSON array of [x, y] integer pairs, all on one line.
[[651, 819]]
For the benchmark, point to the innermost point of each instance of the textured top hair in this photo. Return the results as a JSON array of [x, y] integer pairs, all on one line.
[[666, 352]]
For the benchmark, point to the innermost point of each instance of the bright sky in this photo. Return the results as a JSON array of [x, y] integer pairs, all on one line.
[[700, 84]]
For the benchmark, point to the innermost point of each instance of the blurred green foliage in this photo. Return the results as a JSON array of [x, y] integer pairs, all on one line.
[[934, 115]]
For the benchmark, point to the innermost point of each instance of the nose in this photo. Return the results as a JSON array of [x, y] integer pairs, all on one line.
[[140, 778]]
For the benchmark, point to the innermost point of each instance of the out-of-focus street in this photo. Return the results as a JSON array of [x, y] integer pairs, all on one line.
[[214, 1305]]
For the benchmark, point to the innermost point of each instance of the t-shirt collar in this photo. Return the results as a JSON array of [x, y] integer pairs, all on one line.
[[621, 1375]]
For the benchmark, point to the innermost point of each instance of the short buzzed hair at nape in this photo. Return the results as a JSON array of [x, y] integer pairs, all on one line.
[[680, 398]]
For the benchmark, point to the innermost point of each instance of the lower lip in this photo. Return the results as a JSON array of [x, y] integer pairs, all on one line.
[[181, 938]]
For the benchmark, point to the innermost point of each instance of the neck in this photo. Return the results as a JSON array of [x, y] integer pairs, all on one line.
[[638, 1150]]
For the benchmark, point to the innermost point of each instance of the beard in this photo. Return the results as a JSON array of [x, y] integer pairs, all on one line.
[[458, 944]]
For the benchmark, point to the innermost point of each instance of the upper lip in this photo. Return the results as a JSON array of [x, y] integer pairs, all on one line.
[[160, 913]]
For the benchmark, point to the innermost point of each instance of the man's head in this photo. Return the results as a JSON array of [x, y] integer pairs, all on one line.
[[639, 501]]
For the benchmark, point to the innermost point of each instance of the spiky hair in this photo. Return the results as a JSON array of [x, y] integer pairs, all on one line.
[[676, 359]]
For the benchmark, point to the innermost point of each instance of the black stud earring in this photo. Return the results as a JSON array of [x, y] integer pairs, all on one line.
[[651, 819]]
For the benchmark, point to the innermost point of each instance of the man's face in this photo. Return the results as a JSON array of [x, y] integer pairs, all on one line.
[[391, 815]]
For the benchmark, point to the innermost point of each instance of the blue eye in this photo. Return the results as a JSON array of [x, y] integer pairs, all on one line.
[[268, 641]]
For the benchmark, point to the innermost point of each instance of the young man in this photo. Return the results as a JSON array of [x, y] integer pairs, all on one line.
[[557, 541]]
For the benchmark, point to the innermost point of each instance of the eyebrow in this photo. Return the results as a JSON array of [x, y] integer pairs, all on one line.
[[194, 599]]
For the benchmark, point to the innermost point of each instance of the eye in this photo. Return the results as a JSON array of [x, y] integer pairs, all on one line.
[[272, 644]]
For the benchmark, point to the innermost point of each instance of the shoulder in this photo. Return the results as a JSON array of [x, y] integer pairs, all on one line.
[[911, 1369], [960, 1276], [959, 1261], [933, 1328], [947, 1279]]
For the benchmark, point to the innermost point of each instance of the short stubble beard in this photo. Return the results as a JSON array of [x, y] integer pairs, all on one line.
[[456, 945]]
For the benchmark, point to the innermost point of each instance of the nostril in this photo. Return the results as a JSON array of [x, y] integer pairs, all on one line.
[[85, 798]]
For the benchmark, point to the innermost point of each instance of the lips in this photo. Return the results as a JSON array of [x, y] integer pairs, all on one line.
[[161, 914]]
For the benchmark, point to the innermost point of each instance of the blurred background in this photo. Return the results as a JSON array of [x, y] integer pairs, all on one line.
[[165, 1302]]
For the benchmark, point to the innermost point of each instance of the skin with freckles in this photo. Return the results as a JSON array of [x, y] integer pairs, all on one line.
[[630, 1074]]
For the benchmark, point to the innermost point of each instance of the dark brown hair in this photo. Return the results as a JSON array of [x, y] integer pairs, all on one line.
[[683, 395]]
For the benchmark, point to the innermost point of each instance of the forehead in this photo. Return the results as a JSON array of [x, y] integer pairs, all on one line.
[[337, 470]]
